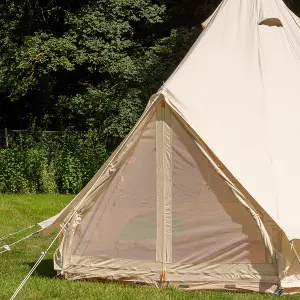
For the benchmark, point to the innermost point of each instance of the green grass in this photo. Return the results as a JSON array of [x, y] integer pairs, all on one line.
[[18, 211]]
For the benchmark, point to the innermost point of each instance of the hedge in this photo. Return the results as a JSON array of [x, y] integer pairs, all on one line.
[[50, 162]]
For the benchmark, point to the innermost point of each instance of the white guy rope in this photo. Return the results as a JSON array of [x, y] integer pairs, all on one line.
[[293, 247], [27, 276], [45, 252], [8, 247], [37, 263], [14, 233]]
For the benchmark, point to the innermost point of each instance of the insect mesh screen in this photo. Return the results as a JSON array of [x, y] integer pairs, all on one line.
[[122, 222], [209, 224]]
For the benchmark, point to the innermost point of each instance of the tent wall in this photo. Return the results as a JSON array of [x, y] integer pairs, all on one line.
[[164, 213]]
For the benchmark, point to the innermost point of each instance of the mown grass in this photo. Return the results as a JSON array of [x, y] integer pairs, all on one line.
[[18, 211]]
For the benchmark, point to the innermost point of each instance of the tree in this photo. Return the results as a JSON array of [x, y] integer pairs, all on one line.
[[55, 55], [93, 63]]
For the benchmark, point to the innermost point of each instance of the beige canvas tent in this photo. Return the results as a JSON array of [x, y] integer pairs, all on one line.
[[204, 191]]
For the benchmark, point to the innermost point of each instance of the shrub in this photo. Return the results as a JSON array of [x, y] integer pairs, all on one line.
[[50, 162]]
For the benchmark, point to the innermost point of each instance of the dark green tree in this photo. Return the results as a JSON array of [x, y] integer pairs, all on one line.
[[93, 63]]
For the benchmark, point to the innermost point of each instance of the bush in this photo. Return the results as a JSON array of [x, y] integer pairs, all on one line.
[[50, 162]]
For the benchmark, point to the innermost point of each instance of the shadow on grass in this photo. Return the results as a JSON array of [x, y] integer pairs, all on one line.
[[45, 269]]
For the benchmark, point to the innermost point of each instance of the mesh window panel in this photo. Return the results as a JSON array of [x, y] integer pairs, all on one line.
[[122, 222], [209, 224]]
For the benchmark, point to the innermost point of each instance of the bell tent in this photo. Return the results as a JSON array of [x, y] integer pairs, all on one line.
[[203, 193]]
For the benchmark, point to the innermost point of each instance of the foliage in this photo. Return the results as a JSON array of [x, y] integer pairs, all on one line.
[[85, 65], [88, 64], [43, 162], [91, 64], [56, 54]]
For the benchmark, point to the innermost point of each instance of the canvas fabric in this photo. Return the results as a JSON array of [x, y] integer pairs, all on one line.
[[202, 193], [215, 242], [237, 88]]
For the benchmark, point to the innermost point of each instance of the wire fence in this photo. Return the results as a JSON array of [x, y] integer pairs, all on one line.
[[9, 137], [4, 138]]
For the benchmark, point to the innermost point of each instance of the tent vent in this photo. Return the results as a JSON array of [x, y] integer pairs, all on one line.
[[271, 22]]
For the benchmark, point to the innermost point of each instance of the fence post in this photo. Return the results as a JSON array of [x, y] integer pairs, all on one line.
[[6, 137]]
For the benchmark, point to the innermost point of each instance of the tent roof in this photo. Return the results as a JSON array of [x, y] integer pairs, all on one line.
[[238, 88]]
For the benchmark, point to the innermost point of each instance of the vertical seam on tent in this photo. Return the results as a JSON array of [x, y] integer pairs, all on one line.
[[159, 165], [164, 186], [160, 228], [168, 184]]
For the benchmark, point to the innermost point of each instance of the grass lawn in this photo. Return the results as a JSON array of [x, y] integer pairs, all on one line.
[[19, 211]]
